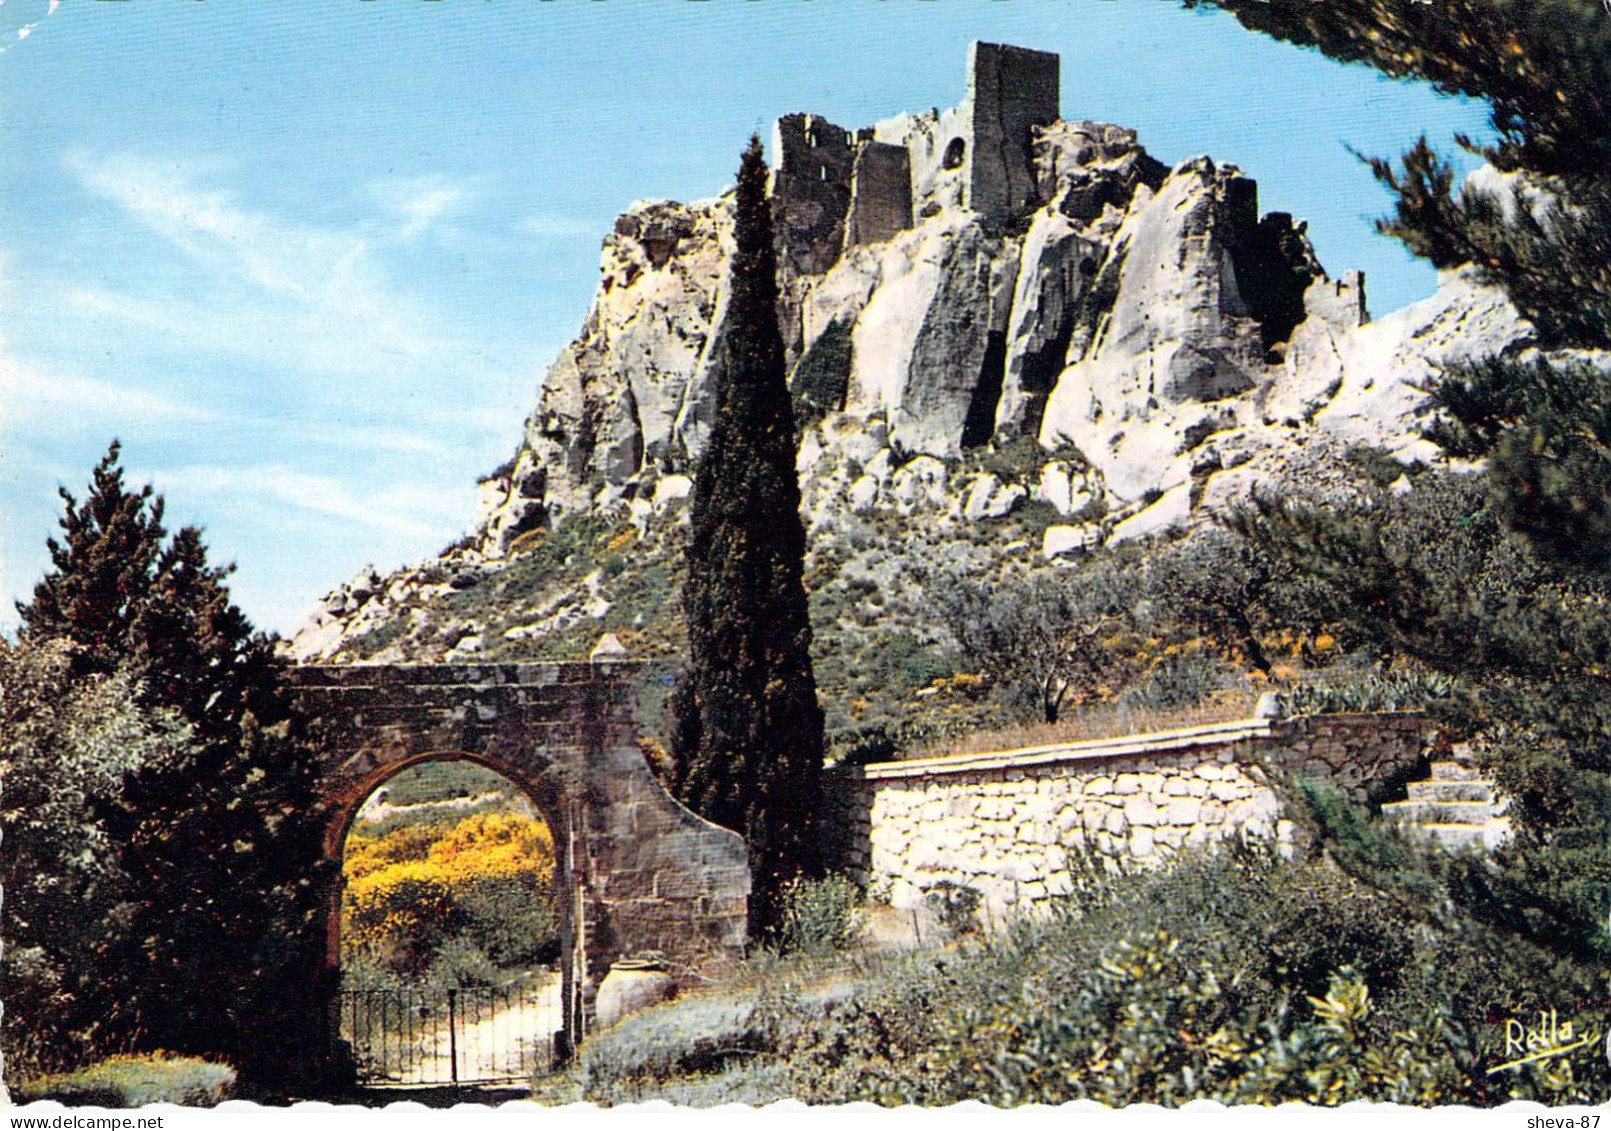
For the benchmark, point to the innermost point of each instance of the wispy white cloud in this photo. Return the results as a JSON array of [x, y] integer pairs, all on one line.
[[373, 438], [38, 397], [286, 292], [410, 510], [420, 202]]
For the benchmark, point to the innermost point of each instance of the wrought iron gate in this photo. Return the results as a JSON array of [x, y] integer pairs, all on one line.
[[477, 1035]]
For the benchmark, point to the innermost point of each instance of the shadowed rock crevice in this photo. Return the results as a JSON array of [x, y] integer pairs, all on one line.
[[822, 377], [1038, 376], [980, 423]]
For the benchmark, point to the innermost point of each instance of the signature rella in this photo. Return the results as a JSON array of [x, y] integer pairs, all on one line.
[[1548, 1037]]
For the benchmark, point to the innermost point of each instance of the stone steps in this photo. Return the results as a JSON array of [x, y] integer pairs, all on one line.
[[1445, 791], [1455, 808], [1440, 812]]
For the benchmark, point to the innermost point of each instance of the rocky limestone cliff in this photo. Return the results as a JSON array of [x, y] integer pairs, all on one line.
[[1125, 349]]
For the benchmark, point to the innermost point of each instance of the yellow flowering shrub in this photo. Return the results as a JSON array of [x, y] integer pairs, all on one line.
[[413, 888]]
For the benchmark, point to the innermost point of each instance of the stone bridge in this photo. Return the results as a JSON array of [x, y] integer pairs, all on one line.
[[635, 871]]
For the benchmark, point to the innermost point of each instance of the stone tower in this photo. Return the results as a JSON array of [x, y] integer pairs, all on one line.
[[836, 189], [1011, 90]]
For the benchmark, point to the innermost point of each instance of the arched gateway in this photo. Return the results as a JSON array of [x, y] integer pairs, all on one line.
[[637, 872]]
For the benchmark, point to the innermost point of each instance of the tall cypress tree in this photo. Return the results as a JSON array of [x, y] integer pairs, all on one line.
[[748, 748]]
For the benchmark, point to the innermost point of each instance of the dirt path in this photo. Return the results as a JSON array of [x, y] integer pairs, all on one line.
[[494, 1041]]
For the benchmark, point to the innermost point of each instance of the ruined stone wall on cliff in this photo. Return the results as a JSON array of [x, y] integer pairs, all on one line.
[[880, 194], [814, 163]]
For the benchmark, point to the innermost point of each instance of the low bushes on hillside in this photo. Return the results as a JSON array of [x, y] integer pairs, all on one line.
[[134, 1081], [486, 879], [1239, 977]]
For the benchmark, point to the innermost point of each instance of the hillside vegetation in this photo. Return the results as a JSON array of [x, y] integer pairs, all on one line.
[[1236, 977], [453, 885]]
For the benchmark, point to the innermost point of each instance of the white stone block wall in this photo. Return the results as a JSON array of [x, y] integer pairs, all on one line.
[[1008, 825]]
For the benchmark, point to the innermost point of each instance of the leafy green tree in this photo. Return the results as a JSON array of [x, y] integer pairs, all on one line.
[[1431, 574], [66, 745], [1042, 636], [749, 742], [222, 860], [215, 843], [1212, 582]]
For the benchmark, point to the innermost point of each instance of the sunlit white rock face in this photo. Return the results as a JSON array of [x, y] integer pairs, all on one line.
[[1159, 345]]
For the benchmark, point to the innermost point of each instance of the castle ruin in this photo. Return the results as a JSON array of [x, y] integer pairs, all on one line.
[[836, 189]]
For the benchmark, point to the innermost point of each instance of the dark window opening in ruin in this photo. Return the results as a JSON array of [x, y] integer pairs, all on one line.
[[449, 929], [955, 152], [980, 424], [1274, 267]]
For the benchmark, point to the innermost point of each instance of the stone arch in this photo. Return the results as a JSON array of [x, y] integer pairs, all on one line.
[[345, 795], [955, 153], [641, 873]]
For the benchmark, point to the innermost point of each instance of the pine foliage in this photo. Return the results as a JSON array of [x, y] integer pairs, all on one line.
[[749, 745], [1545, 431], [1544, 68], [101, 569], [212, 848]]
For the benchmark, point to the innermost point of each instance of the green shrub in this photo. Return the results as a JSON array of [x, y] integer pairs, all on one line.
[[1378, 691], [821, 916], [956, 906], [511, 920], [1017, 459], [459, 963], [1181, 680], [381, 637], [1234, 976], [134, 1081], [1376, 465]]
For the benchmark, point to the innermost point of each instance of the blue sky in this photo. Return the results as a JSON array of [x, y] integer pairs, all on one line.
[[310, 261]]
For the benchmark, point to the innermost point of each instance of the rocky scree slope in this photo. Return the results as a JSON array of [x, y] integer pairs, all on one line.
[[1132, 350]]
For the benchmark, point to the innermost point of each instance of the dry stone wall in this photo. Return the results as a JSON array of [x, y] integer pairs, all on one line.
[[1008, 825]]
